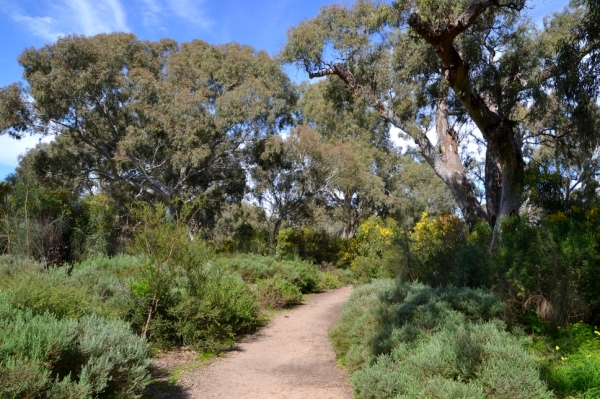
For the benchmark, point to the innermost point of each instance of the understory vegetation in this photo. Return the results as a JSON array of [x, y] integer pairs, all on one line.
[[87, 329], [424, 342], [189, 189]]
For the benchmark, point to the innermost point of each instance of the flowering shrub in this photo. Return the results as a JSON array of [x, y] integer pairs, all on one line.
[[434, 243], [570, 357], [376, 250]]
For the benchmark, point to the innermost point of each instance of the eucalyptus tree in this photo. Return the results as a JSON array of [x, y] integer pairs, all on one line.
[[373, 177], [448, 66], [156, 120], [359, 141], [290, 173]]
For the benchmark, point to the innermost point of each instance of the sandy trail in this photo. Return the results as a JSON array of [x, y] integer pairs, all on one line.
[[290, 358]]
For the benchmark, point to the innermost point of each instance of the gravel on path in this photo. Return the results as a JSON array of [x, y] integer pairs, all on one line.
[[290, 358]]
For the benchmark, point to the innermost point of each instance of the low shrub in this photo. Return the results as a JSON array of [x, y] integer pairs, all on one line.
[[179, 297], [359, 323], [97, 286], [414, 341], [302, 274], [200, 305], [570, 357], [42, 356], [278, 293], [11, 266], [210, 316], [331, 280]]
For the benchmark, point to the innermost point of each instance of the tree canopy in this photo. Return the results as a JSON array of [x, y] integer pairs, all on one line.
[[157, 119], [457, 68]]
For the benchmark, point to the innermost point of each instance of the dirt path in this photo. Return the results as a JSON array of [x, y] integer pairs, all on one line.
[[290, 358]]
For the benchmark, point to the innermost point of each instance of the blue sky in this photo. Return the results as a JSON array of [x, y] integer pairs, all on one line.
[[262, 24]]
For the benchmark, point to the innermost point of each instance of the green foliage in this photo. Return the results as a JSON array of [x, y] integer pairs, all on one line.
[[46, 357], [331, 279], [179, 298], [278, 293], [309, 244], [128, 95], [11, 266], [48, 292], [100, 227], [93, 287], [37, 221], [241, 228], [290, 174], [434, 241], [470, 266], [413, 341], [570, 357], [413, 309], [376, 250], [301, 274], [552, 267], [170, 293], [359, 323], [210, 316]]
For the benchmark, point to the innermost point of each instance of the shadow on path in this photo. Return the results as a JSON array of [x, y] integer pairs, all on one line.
[[162, 388]]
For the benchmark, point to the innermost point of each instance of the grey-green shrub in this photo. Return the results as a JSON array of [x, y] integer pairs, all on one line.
[[359, 323], [278, 293], [11, 265], [331, 279], [42, 356], [210, 316], [97, 286], [194, 302], [414, 341], [302, 274]]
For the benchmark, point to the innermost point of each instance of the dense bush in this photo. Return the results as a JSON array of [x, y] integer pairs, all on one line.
[[190, 298], [96, 286], [302, 274], [331, 279], [178, 296], [210, 316], [312, 245], [278, 293], [413, 341], [434, 242], [205, 307], [376, 250], [569, 356], [359, 323], [241, 228], [42, 356], [98, 226], [552, 266]]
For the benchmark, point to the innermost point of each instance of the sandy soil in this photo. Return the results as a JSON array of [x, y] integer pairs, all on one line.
[[290, 358]]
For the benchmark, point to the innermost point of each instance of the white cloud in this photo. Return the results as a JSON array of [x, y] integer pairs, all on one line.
[[189, 10], [151, 12], [87, 17], [93, 17], [44, 27], [51, 19]]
